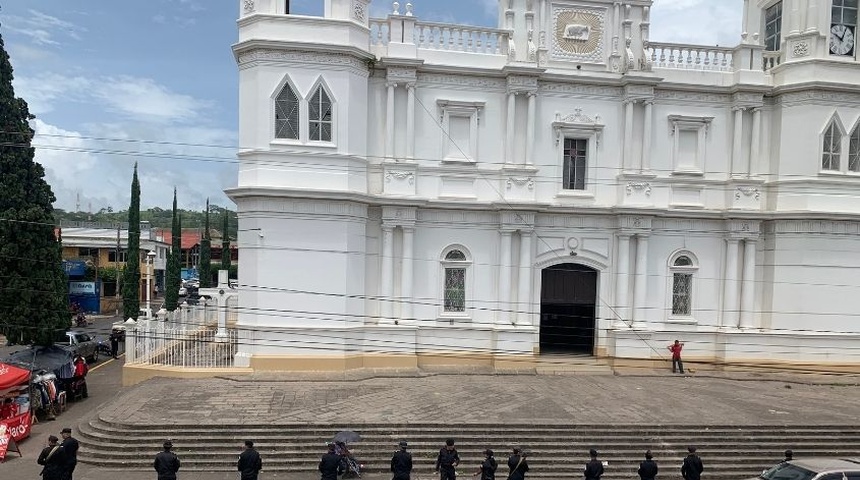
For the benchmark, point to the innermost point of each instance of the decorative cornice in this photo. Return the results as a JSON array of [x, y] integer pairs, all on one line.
[[686, 97], [318, 59], [582, 90], [465, 82]]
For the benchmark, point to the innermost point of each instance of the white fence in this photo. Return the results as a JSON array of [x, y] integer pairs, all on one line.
[[189, 338]]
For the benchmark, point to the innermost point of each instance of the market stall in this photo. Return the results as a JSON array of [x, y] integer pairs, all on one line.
[[15, 413], [52, 378]]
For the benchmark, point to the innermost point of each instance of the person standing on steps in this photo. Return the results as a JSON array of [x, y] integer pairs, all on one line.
[[250, 463], [166, 462], [53, 460], [331, 464], [692, 467], [789, 455], [517, 464], [648, 468], [594, 467], [401, 463], [70, 450], [447, 461], [676, 348], [487, 470]]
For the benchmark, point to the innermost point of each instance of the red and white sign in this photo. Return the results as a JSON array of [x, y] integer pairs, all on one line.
[[18, 427]]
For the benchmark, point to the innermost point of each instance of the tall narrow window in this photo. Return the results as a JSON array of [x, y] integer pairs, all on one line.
[[287, 114], [832, 147], [682, 268], [575, 160], [319, 115], [773, 27], [854, 151], [455, 266]]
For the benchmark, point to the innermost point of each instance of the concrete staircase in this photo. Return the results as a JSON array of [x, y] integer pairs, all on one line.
[[556, 451]]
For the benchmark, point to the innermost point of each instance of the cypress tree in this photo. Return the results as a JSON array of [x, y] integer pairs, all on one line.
[[34, 305], [225, 244], [174, 269], [206, 254], [131, 274]]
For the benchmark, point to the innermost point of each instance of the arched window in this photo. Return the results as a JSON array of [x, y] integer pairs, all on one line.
[[455, 267], [287, 114], [854, 150], [683, 267], [320, 115], [832, 147]]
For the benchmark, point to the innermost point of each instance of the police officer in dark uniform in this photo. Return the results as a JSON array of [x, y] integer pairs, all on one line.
[[517, 465], [331, 464], [166, 463], [401, 463], [648, 468], [488, 467], [594, 467], [447, 461], [53, 460]]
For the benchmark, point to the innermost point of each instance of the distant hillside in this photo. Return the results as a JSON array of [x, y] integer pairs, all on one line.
[[157, 217]]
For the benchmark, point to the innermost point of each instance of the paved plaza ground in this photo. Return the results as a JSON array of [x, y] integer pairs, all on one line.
[[634, 397]]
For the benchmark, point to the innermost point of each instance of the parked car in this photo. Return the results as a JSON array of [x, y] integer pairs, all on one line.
[[814, 468], [79, 343]]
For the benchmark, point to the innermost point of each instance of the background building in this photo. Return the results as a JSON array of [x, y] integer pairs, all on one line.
[[413, 193]]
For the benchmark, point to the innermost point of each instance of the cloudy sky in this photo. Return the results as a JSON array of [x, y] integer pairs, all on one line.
[[114, 82]]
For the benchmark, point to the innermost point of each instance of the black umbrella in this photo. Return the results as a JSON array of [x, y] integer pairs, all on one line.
[[346, 436]]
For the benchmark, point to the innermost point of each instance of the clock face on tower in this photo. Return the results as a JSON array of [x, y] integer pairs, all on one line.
[[841, 39]]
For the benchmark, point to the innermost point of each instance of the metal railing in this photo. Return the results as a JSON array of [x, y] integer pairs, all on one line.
[[691, 57]]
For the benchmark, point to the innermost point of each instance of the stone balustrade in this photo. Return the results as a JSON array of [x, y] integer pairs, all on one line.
[[691, 57], [770, 60], [460, 38]]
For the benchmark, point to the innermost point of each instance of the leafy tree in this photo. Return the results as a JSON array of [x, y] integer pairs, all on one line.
[[174, 270], [225, 244], [33, 285], [206, 254], [131, 275]]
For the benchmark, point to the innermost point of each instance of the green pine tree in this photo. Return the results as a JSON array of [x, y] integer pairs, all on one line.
[[206, 254], [225, 243], [131, 275], [174, 269], [34, 303]]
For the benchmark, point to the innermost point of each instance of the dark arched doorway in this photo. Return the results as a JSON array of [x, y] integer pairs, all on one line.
[[568, 299]]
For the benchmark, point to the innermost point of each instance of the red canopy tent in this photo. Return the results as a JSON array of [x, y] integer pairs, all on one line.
[[16, 427], [12, 377]]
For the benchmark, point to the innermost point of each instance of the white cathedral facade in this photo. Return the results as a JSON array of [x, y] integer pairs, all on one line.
[[414, 193]]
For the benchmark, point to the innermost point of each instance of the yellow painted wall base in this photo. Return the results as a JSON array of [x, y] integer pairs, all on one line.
[[694, 364], [134, 374]]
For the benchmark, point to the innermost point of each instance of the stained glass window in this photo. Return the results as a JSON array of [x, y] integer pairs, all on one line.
[[854, 151], [455, 289], [682, 284], [287, 114], [575, 159]]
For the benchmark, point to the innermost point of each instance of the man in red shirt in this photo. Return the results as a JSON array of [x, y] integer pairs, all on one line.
[[675, 348]]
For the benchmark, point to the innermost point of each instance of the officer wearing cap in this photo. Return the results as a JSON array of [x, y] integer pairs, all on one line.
[[166, 463], [594, 467], [401, 463], [70, 449]]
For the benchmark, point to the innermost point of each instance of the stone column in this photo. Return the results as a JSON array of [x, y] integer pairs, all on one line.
[[410, 121], [622, 280], [505, 297], [812, 16], [525, 280], [530, 129], [511, 126], [628, 135], [389, 122], [737, 144], [745, 22], [386, 274], [795, 17], [730, 285], [748, 285], [646, 136], [406, 273], [640, 282], [755, 145]]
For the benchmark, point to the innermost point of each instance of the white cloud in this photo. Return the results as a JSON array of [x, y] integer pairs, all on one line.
[[700, 22], [43, 29], [144, 97], [137, 98]]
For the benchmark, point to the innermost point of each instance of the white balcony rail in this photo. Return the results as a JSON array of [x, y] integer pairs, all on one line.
[[443, 36], [770, 60], [460, 38], [691, 57]]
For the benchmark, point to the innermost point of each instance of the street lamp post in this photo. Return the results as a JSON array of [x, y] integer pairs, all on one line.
[[149, 257]]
